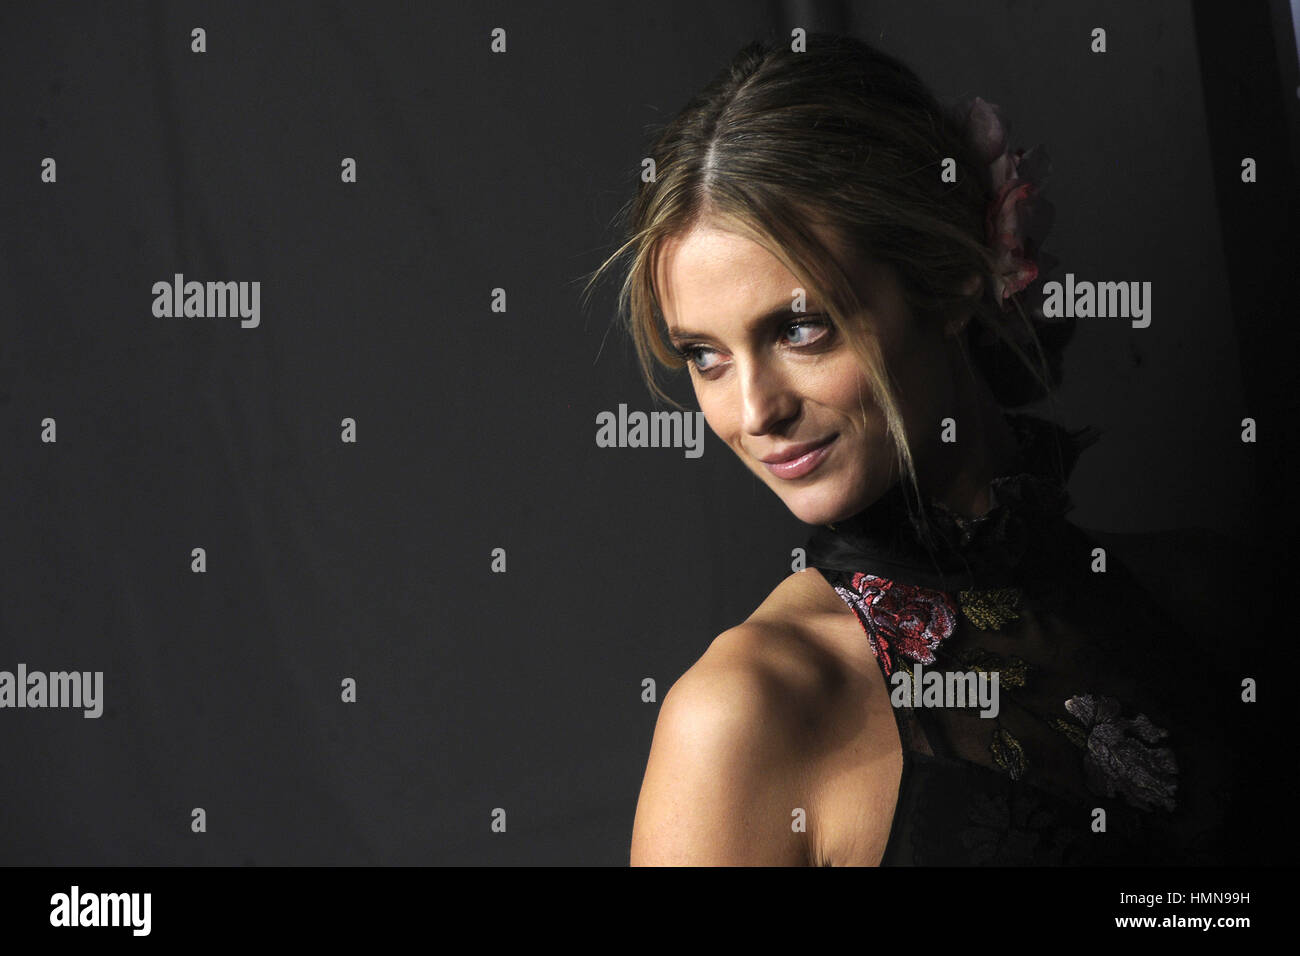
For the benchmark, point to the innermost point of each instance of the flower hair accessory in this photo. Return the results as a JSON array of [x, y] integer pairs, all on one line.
[[1018, 217]]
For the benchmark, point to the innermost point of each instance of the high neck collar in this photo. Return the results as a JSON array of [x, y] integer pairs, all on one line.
[[889, 537]]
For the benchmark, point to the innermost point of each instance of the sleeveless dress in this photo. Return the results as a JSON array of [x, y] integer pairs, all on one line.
[[1101, 736]]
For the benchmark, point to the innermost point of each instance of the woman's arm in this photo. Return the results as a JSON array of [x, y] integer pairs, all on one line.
[[727, 781]]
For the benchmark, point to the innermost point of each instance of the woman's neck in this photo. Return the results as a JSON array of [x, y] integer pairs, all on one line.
[[961, 472]]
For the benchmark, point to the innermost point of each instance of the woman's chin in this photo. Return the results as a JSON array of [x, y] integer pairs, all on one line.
[[826, 505], [815, 509]]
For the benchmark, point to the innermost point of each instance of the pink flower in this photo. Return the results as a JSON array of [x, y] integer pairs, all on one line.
[[900, 618], [1018, 217]]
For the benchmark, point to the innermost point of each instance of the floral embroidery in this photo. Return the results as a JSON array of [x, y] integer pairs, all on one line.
[[1071, 730], [899, 618], [965, 817], [993, 609], [1012, 671], [1008, 753], [1020, 830], [1119, 759]]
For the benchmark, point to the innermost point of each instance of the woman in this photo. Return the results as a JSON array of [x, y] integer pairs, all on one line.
[[960, 675]]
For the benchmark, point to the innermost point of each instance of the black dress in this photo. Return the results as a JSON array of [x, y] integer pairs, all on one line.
[[1110, 739]]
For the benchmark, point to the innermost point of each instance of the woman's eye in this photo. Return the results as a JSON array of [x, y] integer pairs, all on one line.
[[806, 331], [693, 353], [799, 334]]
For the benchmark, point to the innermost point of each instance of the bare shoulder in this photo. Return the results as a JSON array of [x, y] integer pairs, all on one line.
[[746, 739], [728, 770]]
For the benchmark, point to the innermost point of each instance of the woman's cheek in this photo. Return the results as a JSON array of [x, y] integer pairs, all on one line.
[[714, 415], [847, 390]]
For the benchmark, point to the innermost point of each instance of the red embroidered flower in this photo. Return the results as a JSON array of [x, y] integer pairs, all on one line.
[[900, 618]]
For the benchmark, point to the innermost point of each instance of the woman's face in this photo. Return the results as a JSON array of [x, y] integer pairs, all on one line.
[[783, 389]]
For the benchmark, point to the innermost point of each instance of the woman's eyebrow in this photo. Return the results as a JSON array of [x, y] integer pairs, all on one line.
[[774, 314]]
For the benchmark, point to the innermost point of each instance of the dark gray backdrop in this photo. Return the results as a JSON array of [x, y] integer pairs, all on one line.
[[476, 429]]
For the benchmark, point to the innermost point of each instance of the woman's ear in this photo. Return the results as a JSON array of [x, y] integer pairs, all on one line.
[[956, 326], [972, 285], [969, 288]]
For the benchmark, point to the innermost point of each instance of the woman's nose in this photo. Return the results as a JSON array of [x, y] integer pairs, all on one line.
[[766, 397]]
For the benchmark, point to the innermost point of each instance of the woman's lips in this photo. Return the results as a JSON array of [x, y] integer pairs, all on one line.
[[798, 467]]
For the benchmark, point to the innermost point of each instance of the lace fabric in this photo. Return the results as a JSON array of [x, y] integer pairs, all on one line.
[[1092, 742]]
